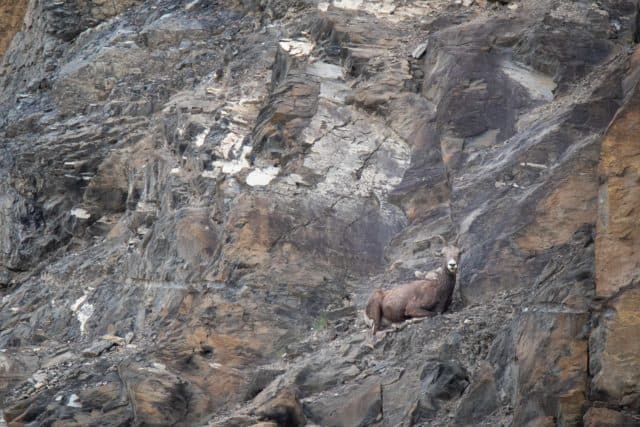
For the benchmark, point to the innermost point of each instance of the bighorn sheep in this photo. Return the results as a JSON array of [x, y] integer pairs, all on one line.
[[426, 297]]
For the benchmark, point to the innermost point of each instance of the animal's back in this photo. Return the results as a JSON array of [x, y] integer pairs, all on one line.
[[396, 300], [422, 292]]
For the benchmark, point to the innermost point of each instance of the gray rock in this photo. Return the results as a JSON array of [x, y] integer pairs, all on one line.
[[443, 380], [97, 348], [419, 51], [480, 401], [285, 410]]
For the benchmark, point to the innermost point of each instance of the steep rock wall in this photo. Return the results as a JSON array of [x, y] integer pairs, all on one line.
[[197, 197]]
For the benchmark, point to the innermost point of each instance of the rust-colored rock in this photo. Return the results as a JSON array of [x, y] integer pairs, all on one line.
[[558, 216], [285, 409], [11, 15], [552, 366], [604, 417], [618, 229], [615, 352]]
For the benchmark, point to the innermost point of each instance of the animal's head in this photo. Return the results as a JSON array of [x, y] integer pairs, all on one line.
[[451, 255]]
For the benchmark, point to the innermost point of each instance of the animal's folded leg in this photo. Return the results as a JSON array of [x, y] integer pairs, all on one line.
[[398, 326], [418, 312]]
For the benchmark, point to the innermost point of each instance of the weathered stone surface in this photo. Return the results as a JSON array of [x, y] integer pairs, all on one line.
[[551, 340], [361, 406], [617, 233], [443, 380], [480, 401], [285, 410], [226, 182], [615, 352], [603, 417], [97, 348]]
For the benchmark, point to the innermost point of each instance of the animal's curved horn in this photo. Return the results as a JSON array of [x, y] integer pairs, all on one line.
[[442, 240]]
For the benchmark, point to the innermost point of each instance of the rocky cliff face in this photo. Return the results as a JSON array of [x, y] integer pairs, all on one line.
[[197, 197]]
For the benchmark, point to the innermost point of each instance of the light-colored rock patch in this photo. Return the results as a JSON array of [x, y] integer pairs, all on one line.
[[325, 70], [539, 86], [260, 177], [297, 47], [80, 213], [83, 311], [199, 141]]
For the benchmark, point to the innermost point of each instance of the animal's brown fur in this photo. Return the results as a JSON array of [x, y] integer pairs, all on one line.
[[419, 298]]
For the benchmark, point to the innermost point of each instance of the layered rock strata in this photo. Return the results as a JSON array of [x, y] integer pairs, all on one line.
[[197, 197]]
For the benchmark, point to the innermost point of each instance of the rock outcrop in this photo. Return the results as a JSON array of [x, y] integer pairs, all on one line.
[[197, 197]]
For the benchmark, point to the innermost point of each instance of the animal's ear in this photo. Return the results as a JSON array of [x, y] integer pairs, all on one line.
[[443, 242]]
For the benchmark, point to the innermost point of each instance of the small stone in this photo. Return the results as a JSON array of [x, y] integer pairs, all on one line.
[[420, 50], [97, 348], [114, 339], [351, 371], [74, 401]]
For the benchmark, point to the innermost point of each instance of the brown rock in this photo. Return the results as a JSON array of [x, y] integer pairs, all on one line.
[[552, 359], [481, 400], [360, 405], [618, 227], [615, 352], [159, 397], [604, 417], [11, 16], [559, 215], [285, 409]]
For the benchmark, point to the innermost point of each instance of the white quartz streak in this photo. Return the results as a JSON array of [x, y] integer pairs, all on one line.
[[260, 177], [83, 311]]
